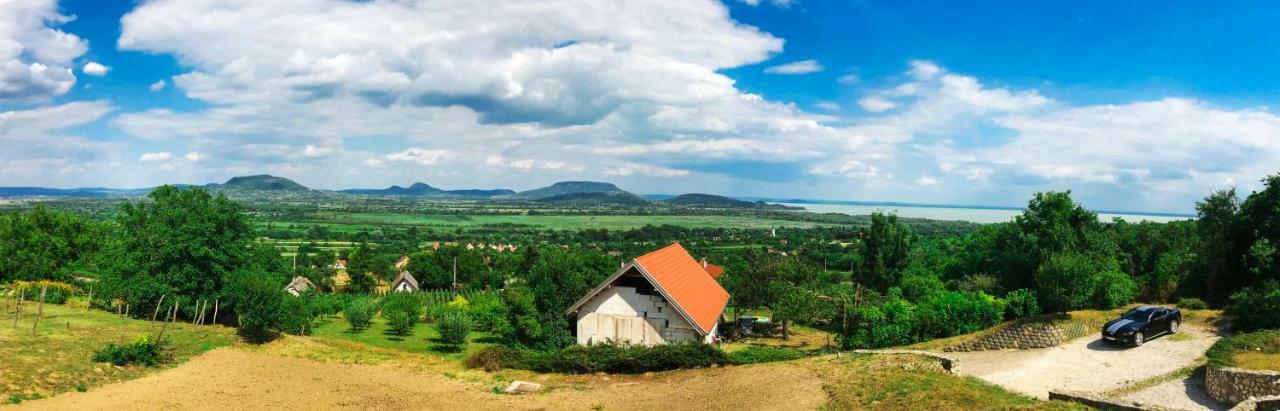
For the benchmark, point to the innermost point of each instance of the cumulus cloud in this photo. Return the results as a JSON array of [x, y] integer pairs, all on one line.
[[797, 67], [926, 181], [875, 104], [420, 156], [35, 57], [647, 170], [95, 69], [193, 157], [39, 150], [156, 156], [157, 86]]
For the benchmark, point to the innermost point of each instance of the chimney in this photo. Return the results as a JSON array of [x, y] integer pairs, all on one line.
[[704, 262]]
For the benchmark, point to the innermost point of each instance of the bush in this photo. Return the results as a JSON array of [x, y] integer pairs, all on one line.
[[1192, 303], [755, 355], [401, 310], [954, 313], [489, 313], [258, 302], [145, 351], [1115, 289], [1255, 308], [295, 314], [55, 292], [609, 358], [359, 312], [1021, 303], [454, 325], [494, 358]]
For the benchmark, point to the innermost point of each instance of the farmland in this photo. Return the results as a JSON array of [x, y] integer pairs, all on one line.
[[352, 222]]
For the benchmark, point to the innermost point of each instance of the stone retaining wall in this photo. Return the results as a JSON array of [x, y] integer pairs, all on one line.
[[1022, 337], [1233, 385], [1102, 402], [950, 365], [1271, 403]]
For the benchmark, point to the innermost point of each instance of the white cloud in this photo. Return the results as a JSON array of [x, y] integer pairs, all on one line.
[[875, 104], [926, 181], [95, 69], [848, 79], [646, 170], [193, 157], [782, 4], [35, 57], [797, 67], [420, 156], [157, 86], [315, 151], [154, 157], [827, 105]]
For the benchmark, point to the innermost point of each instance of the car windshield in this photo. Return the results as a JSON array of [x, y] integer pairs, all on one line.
[[1137, 314]]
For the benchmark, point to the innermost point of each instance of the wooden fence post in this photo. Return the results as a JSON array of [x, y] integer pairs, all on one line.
[[126, 309], [88, 305], [196, 311], [39, 310], [158, 305], [215, 311], [17, 306]]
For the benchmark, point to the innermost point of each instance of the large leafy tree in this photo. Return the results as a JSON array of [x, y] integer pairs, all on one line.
[[886, 245], [45, 244], [181, 241]]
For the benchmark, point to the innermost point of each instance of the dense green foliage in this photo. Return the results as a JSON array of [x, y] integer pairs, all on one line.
[[756, 355], [1220, 354], [454, 326], [359, 312], [259, 304], [146, 351], [609, 358], [402, 312], [45, 244]]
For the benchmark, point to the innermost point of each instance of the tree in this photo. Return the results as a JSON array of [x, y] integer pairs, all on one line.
[[45, 244], [257, 301], [885, 247], [182, 242], [1219, 252]]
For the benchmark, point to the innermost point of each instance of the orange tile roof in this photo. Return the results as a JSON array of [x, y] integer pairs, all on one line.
[[687, 283]]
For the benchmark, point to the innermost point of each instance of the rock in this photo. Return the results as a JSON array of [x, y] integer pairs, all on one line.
[[522, 387]]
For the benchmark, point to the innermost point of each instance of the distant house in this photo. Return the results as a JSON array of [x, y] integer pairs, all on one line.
[[402, 263], [340, 265], [660, 297], [299, 285], [715, 270], [404, 282]]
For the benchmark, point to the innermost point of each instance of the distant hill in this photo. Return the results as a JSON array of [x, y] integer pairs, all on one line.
[[261, 182], [567, 187], [696, 200], [611, 198], [426, 190]]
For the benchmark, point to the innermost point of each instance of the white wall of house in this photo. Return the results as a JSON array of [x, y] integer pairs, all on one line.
[[621, 314]]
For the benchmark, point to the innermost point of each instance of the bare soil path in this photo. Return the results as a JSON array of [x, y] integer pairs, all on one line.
[[230, 378], [1089, 364]]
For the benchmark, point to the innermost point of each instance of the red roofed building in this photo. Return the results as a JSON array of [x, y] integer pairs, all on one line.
[[715, 270], [660, 297]]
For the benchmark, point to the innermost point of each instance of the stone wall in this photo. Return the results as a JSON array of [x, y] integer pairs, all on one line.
[[1103, 402], [1021, 337], [1271, 403], [948, 364], [1233, 385]]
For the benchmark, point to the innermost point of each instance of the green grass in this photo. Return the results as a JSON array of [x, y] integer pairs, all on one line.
[[1259, 350], [58, 359], [353, 222], [424, 339], [913, 383]]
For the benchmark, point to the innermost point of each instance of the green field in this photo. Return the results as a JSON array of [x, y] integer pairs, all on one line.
[[351, 222], [423, 340]]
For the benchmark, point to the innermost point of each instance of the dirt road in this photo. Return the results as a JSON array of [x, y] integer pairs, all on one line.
[[229, 378], [1089, 364]]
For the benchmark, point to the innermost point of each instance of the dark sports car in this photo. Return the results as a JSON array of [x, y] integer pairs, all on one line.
[[1140, 324]]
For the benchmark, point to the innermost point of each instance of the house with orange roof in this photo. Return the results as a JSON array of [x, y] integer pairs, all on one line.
[[665, 296]]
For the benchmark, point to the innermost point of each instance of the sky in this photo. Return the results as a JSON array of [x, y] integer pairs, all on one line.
[[1139, 106]]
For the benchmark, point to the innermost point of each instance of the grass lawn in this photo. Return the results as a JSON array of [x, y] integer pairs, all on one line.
[[1259, 350], [423, 340], [58, 359], [906, 382]]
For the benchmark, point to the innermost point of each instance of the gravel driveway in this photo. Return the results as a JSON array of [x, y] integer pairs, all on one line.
[[1089, 364]]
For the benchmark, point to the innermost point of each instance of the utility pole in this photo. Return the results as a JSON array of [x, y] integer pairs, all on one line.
[[455, 273]]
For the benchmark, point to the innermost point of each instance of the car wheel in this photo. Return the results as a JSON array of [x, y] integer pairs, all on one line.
[[1137, 339], [1173, 327]]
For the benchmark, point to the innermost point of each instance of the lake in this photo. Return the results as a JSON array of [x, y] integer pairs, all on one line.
[[977, 215]]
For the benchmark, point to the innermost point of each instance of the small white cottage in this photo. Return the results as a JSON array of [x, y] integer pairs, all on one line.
[[404, 282], [661, 297], [299, 285]]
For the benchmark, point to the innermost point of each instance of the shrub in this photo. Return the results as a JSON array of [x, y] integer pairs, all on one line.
[[1021, 303], [55, 292], [401, 310], [1115, 289], [624, 359], [1255, 307], [494, 358], [454, 325], [489, 313], [258, 303], [145, 351], [755, 355], [1192, 303], [954, 313], [359, 312], [327, 304], [295, 314]]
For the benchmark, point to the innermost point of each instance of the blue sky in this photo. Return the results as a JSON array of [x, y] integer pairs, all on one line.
[[1144, 106]]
